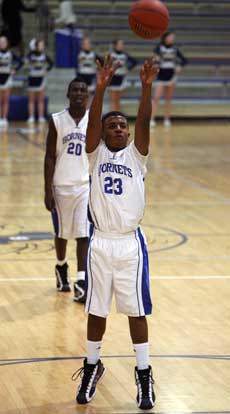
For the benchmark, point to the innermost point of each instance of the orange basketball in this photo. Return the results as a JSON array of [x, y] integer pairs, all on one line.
[[148, 18]]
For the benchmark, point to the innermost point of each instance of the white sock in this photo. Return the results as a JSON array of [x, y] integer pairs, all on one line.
[[61, 262], [81, 275], [142, 355], [93, 351]]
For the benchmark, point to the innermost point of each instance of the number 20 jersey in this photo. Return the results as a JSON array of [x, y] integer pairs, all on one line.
[[71, 166], [117, 192]]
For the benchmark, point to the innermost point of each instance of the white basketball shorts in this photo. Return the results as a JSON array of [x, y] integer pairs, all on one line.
[[118, 264], [70, 214]]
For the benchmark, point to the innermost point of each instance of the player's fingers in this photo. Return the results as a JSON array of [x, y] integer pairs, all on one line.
[[154, 58], [105, 61], [98, 63], [111, 59]]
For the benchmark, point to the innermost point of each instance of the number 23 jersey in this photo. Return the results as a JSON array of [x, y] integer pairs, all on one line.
[[72, 167], [117, 191]]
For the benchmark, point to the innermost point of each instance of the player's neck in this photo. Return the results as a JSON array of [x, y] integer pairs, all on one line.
[[77, 113], [115, 149]]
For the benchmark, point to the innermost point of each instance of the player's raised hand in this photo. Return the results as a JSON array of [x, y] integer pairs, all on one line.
[[149, 71], [106, 71]]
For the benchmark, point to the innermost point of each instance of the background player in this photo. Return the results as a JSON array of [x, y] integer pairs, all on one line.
[[118, 82], [67, 184], [9, 64], [39, 63], [171, 61], [87, 67], [118, 259]]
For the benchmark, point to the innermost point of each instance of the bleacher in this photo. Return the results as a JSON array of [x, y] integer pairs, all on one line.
[[202, 30]]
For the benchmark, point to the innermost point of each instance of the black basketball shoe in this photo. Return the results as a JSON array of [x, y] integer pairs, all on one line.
[[90, 375], [62, 278], [145, 393], [79, 291]]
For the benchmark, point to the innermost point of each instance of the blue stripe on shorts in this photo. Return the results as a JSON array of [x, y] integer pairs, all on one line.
[[55, 221], [145, 276]]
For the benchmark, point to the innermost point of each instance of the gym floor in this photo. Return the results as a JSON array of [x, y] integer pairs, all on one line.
[[42, 336]]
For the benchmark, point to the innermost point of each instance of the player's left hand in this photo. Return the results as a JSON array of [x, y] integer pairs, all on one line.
[[149, 71], [106, 71]]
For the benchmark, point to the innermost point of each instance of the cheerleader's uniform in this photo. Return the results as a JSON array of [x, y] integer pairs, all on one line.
[[118, 82], [39, 64], [87, 67], [169, 58], [8, 62]]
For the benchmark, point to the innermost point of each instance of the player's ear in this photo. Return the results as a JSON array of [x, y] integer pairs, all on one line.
[[128, 134]]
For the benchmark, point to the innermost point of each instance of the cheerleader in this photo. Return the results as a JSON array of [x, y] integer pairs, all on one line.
[[87, 67], [39, 64], [118, 82], [9, 64], [171, 61]]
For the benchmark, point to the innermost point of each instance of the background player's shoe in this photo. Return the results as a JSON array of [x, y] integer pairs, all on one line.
[[167, 123], [145, 394], [41, 120], [62, 278], [30, 120], [90, 375], [153, 123], [79, 291]]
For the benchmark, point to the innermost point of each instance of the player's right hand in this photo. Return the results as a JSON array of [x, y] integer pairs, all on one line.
[[106, 71], [49, 201]]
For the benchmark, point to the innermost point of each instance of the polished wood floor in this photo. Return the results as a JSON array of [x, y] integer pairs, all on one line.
[[42, 334]]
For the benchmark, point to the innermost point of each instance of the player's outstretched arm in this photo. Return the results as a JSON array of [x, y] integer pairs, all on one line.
[[106, 71], [148, 73], [49, 165]]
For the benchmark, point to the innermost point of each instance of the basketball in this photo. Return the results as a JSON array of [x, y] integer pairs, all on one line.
[[148, 18]]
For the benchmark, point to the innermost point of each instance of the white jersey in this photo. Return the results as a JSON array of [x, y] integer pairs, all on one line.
[[117, 193], [71, 166]]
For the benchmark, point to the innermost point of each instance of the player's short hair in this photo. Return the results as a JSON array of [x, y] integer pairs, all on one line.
[[77, 79], [113, 113]]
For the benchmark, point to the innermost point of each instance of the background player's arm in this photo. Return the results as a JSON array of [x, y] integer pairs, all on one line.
[[148, 73], [181, 61], [105, 74], [49, 165]]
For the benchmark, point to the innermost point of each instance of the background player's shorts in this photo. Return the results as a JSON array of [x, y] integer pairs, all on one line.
[[36, 84], [119, 264], [166, 77], [118, 83], [5, 81], [70, 215]]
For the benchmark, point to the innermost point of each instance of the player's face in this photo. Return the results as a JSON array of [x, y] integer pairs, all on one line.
[[3, 42], [170, 39], [78, 95], [116, 132], [41, 46], [86, 45], [119, 45]]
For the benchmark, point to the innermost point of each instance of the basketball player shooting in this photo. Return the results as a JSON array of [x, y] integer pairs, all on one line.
[[117, 258]]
